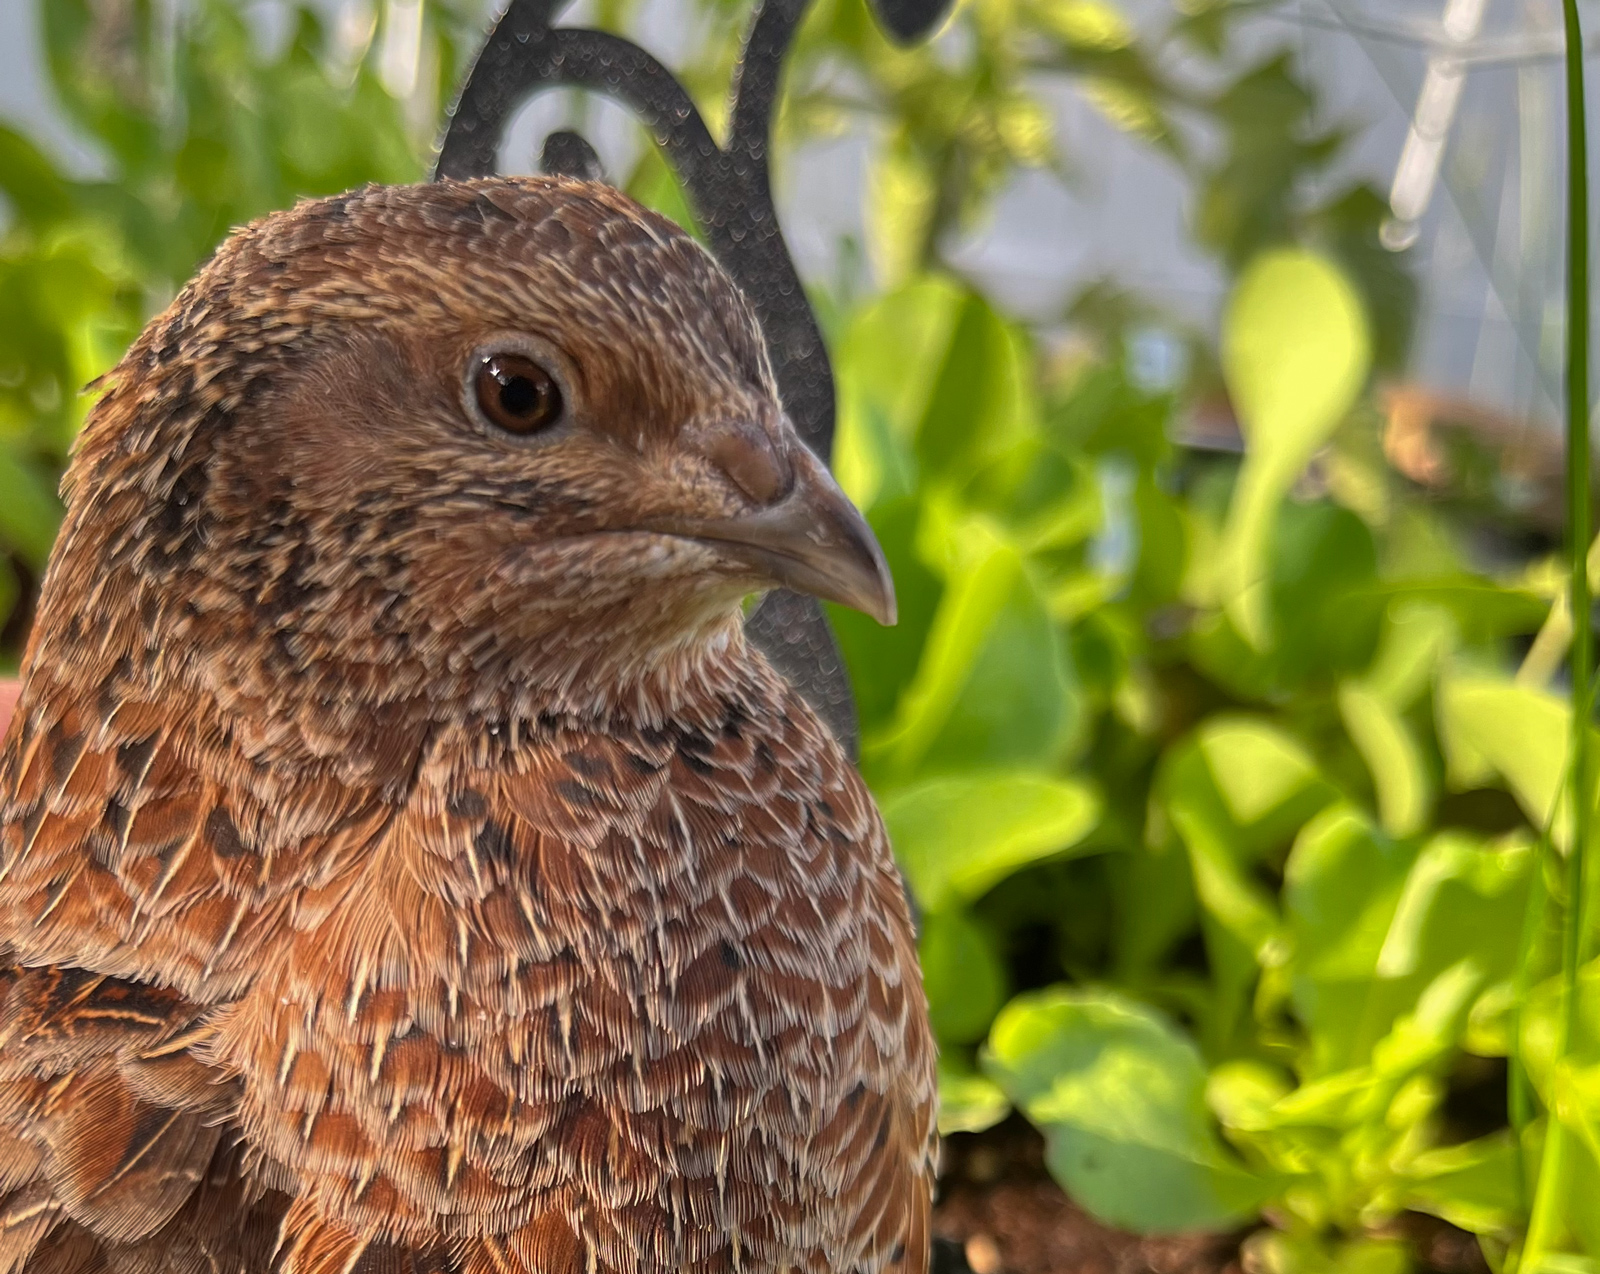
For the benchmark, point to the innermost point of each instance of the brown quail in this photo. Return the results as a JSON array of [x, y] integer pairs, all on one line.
[[406, 866]]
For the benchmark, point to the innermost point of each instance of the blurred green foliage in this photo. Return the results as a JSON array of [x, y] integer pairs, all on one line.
[[1215, 774], [200, 127], [1226, 857]]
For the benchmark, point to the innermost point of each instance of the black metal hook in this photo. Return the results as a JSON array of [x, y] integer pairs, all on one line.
[[730, 193]]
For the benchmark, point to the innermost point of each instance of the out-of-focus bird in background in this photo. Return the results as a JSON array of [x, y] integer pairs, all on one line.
[[405, 864]]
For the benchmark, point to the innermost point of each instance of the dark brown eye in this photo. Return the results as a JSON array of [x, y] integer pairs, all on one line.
[[516, 394]]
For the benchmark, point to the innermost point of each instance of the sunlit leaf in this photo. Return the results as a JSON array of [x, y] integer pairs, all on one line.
[[1243, 1094], [1417, 636], [1295, 352], [995, 685], [968, 1102], [1517, 732], [1087, 24], [1255, 766], [1120, 1094], [1474, 1185], [902, 208], [1342, 883], [890, 355], [957, 836], [1235, 791], [1392, 754]]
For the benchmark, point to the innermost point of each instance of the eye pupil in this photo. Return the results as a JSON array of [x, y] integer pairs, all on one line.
[[516, 394], [519, 396]]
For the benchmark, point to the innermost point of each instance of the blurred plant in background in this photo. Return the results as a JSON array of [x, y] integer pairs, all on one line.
[[201, 129], [1217, 757]]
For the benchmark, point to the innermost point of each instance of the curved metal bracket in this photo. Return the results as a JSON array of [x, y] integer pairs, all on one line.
[[730, 193]]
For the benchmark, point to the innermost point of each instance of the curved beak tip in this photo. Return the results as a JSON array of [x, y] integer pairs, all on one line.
[[882, 604]]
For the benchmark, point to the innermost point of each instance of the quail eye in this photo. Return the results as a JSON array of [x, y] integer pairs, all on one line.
[[516, 394]]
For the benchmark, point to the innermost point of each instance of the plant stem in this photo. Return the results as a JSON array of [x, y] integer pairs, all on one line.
[[1520, 1100], [1553, 1187]]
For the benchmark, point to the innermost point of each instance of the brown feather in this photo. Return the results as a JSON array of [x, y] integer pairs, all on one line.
[[405, 865]]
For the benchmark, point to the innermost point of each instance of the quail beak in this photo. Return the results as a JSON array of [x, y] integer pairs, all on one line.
[[813, 540]]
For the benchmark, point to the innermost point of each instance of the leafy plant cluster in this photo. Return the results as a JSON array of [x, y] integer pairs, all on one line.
[[1222, 798], [1230, 785]]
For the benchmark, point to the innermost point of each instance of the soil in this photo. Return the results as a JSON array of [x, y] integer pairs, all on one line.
[[1000, 1212]]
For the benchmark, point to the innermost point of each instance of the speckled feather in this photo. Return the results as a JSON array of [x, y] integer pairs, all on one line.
[[405, 865]]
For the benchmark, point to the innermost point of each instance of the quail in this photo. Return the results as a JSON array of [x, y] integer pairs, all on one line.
[[406, 865]]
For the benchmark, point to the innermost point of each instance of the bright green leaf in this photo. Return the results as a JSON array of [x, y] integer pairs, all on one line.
[[1473, 1185], [1516, 731], [958, 836], [1295, 353], [1255, 766], [1121, 1097], [994, 687], [1392, 755], [968, 1102], [1087, 24]]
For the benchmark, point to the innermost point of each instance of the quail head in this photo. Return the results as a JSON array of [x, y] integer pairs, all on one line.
[[406, 865]]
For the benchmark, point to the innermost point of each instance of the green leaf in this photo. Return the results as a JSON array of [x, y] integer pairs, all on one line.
[[958, 836], [968, 1102], [1238, 788], [1236, 902], [1462, 896], [1295, 355], [1491, 724], [1473, 1185], [653, 183], [1541, 1025], [902, 203], [1087, 24], [1417, 635], [891, 354], [1154, 904], [1244, 1093], [995, 684], [1325, 609], [882, 661], [1482, 609], [1275, 1252], [1256, 767], [36, 192], [962, 974], [982, 397], [29, 510], [1393, 757], [1120, 1095], [1374, 921], [1342, 883]]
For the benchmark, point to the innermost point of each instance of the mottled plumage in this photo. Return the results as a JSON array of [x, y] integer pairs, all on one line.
[[405, 864]]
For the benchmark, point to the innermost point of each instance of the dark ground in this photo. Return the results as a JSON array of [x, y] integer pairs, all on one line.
[[1000, 1213]]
